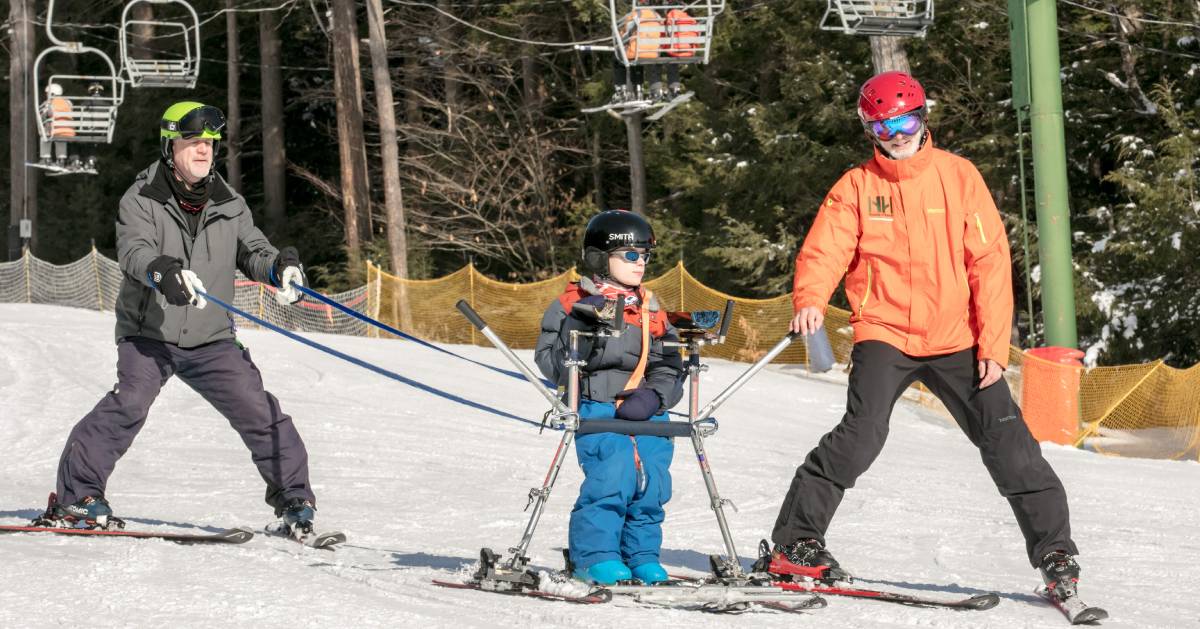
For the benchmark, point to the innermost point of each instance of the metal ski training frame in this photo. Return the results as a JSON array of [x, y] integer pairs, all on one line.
[[512, 574]]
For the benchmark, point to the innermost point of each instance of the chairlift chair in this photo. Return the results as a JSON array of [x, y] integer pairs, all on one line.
[[159, 71], [644, 33], [76, 112], [911, 18], [658, 33]]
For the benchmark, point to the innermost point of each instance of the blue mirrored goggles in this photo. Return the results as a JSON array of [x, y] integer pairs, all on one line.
[[630, 255], [906, 124]]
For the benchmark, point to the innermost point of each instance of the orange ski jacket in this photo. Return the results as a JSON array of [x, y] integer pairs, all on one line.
[[643, 29], [924, 254]]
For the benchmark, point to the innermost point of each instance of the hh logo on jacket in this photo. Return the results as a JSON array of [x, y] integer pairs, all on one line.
[[880, 208]]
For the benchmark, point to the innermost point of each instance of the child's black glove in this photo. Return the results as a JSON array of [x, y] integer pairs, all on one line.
[[638, 404], [595, 310]]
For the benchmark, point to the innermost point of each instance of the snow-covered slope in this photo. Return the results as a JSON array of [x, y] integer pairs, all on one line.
[[420, 483]]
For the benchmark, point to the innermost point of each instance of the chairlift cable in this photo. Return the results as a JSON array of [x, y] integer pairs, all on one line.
[[495, 34]]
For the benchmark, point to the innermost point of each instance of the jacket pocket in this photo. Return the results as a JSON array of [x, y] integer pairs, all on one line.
[[979, 224], [862, 304]]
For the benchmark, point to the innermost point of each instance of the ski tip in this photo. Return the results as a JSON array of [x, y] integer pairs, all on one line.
[[237, 535], [983, 601], [328, 540], [1089, 616]]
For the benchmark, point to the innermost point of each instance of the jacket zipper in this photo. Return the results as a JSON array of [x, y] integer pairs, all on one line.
[[979, 224], [863, 304], [146, 293]]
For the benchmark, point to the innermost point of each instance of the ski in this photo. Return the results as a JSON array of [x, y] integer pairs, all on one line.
[[239, 535], [1076, 611], [322, 541], [627, 106], [666, 107], [600, 595], [978, 602], [718, 597]]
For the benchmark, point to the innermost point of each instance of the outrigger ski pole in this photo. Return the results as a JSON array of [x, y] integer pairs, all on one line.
[[513, 574]]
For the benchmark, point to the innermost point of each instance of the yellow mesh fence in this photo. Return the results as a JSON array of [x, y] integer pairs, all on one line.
[[1149, 410]]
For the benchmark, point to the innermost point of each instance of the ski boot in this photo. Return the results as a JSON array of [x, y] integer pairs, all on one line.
[[604, 573], [806, 558], [620, 95], [297, 517], [1061, 574], [650, 573], [88, 512]]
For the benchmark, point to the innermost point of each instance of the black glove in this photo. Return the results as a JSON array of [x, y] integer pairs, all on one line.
[[594, 310], [639, 404], [287, 270], [166, 273]]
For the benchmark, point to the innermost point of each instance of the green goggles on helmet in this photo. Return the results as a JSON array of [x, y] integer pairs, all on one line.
[[204, 122]]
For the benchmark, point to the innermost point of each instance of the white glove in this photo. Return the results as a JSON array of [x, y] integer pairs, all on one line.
[[194, 286], [287, 294]]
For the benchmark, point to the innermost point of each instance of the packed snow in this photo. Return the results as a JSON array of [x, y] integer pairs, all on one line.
[[420, 483]]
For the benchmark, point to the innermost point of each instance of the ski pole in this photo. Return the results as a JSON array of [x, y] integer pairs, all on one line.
[[477, 321], [741, 380], [391, 330], [362, 363]]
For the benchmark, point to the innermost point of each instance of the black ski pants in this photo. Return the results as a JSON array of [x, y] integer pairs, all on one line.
[[989, 417], [223, 374]]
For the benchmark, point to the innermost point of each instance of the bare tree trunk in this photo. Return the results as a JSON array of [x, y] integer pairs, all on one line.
[[393, 197], [637, 169], [23, 137], [274, 157], [233, 118], [450, 81], [141, 44], [530, 80], [597, 168], [1125, 22], [888, 54], [351, 142]]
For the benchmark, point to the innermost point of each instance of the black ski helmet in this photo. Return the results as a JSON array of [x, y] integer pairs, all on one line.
[[611, 230]]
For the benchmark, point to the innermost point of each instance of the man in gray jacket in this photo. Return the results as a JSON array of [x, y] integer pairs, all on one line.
[[181, 229]]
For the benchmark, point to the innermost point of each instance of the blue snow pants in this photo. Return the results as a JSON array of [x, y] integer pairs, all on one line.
[[619, 512]]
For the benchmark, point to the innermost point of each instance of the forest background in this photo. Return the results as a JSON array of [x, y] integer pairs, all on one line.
[[498, 167]]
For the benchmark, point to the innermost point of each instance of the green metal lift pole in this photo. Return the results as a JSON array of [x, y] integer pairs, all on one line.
[[1050, 175]]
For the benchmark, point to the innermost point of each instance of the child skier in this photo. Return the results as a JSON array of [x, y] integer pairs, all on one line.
[[616, 524]]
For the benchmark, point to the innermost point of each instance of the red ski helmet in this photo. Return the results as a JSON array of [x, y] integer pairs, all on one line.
[[889, 94]]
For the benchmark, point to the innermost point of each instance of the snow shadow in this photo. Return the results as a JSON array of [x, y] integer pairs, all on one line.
[[695, 560], [30, 514], [951, 588], [437, 562]]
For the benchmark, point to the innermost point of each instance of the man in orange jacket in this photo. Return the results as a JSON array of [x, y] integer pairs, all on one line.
[[928, 274]]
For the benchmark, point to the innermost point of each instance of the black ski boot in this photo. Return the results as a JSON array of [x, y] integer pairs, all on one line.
[[298, 515], [1061, 574], [90, 512]]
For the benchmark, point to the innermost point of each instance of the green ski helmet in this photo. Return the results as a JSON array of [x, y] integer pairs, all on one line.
[[186, 120]]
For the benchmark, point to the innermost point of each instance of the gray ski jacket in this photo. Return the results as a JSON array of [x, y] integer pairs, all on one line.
[[610, 361], [150, 224]]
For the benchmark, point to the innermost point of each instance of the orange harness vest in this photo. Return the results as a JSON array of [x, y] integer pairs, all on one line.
[[635, 379]]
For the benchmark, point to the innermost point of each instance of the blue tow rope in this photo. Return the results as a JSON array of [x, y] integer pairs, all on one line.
[[364, 364], [390, 330]]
